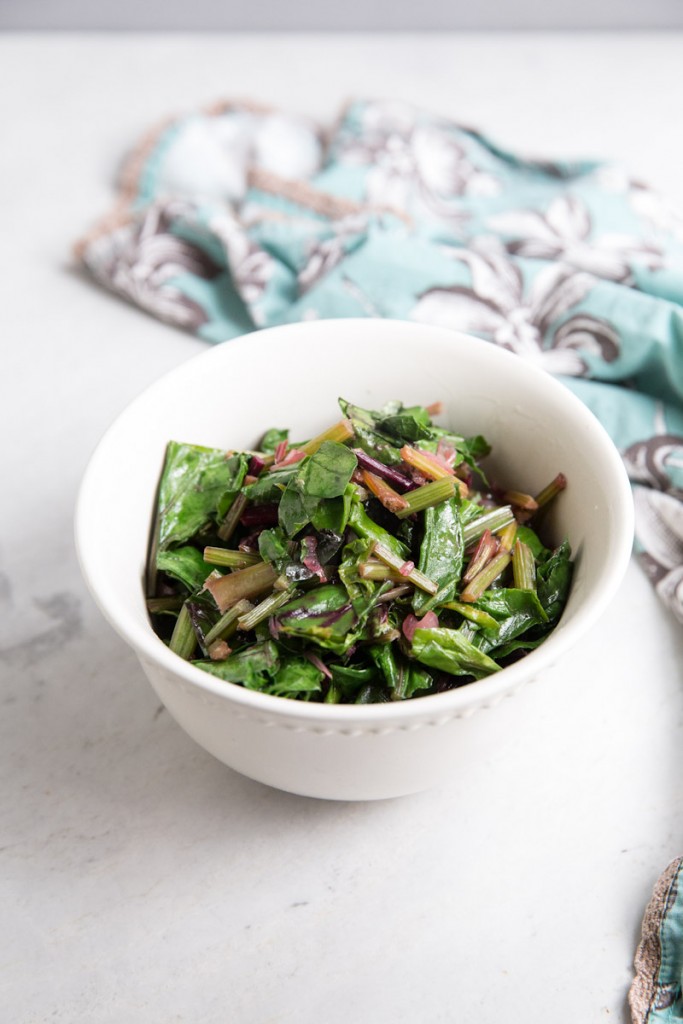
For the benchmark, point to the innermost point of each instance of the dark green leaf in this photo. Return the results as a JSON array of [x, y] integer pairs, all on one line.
[[349, 678], [385, 659], [317, 493], [407, 424], [239, 465], [271, 439], [274, 548], [516, 611], [324, 615], [333, 513], [193, 482], [326, 473], [355, 552], [553, 580], [292, 512], [270, 486], [450, 651], [296, 676], [253, 667], [402, 677], [368, 437], [361, 523], [441, 553], [185, 565]]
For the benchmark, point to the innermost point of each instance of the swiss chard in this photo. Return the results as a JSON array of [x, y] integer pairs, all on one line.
[[369, 563]]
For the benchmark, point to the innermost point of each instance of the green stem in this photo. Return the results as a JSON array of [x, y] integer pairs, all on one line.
[[496, 519], [183, 639], [476, 615], [414, 575], [507, 536], [248, 583], [155, 605], [265, 609], [551, 490], [230, 558], [521, 500], [485, 550], [229, 524], [427, 495], [523, 566], [376, 570], [340, 432], [227, 624], [485, 578]]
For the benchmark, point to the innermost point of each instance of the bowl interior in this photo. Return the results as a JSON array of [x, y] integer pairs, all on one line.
[[292, 376]]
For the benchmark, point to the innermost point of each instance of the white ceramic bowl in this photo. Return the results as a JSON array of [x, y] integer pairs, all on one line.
[[292, 376]]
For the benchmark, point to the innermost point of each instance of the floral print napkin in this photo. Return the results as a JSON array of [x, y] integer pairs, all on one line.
[[239, 217]]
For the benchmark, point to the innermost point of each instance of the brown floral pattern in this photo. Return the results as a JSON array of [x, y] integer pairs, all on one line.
[[142, 257], [413, 162], [565, 232], [497, 307]]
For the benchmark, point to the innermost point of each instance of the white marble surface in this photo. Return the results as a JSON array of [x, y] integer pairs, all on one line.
[[145, 882]]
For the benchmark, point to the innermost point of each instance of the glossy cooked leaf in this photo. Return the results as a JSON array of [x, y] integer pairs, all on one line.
[[353, 554], [384, 658], [415, 678], [253, 666], [355, 413], [271, 439], [296, 676], [318, 493], [450, 651], [521, 644], [270, 485], [407, 424], [514, 610], [185, 565], [361, 523], [403, 678], [441, 553], [350, 678], [292, 512], [193, 481], [203, 615], [378, 445], [326, 473], [553, 580], [240, 465], [332, 515], [274, 548], [474, 448], [324, 615]]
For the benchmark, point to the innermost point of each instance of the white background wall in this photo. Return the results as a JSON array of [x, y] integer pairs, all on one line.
[[340, 14]]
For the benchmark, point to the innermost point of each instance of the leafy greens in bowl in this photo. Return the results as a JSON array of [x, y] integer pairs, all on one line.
[[293, 375], [373, 562]]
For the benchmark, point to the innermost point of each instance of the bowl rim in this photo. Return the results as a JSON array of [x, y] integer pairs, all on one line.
[[446, 705]]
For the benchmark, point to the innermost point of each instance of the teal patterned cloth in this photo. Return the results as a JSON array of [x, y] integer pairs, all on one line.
[[656, 995], [237, 218]]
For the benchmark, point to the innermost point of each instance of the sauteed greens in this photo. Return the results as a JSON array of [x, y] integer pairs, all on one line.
[[374, 562]]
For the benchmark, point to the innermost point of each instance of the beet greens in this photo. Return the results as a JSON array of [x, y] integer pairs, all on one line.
[[373, 562]]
